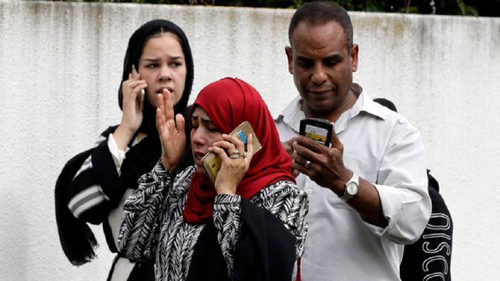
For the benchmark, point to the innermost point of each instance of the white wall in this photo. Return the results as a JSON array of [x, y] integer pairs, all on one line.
[[60, 68]]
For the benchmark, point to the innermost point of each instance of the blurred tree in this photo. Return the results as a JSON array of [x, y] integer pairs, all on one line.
[[488, 8]]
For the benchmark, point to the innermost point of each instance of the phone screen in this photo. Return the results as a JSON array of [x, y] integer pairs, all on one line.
[[316, 133], [319, 130]]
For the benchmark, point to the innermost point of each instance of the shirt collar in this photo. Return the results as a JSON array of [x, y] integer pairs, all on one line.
[[366, 104], [293, 112]]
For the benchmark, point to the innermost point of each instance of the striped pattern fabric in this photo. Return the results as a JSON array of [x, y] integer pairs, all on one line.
[[87, 193], [86, 199], [153, 226]]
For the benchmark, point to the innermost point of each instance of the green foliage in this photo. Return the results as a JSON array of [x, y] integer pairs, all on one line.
[[467, 10], [489, 8]]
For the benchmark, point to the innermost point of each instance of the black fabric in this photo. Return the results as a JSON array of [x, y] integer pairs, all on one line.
[[77, 240], [207, 263], [265, 250], [433, 183], [387, 103], [105, 174], [110, 274], [143, 271], [108, 234], [430, 256]]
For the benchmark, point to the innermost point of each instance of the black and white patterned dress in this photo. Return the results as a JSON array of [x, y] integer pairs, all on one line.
[[154, 228]]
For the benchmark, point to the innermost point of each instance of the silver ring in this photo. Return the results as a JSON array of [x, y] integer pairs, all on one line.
[[307, 164], [234, 156], [244, 155]]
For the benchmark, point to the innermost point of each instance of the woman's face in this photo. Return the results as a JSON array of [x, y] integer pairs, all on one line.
[[203, 135], [162, 65]]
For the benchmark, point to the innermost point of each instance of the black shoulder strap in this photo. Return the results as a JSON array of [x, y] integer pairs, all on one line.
[[432, 181]]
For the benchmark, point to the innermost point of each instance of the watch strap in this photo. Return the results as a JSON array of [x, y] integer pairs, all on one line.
[[346, 196]]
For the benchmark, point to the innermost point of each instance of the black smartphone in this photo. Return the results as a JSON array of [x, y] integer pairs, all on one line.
[[317, 129]]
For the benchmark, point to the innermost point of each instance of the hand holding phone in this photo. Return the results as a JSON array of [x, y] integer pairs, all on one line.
[[317, 129], [213, 163]]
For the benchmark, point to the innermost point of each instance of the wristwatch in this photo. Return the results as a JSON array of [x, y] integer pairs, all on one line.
[[350, 188]]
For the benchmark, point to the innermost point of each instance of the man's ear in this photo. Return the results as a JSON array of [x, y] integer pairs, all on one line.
[[288, 51], [354, 57]]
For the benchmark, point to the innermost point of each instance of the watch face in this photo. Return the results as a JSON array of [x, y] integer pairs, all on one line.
[[352, 188]]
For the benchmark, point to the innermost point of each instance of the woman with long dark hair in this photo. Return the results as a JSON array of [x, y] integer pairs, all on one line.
[[94, 184]]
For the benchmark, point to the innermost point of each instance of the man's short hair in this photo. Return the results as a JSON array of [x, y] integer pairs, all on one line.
[[322, 12]]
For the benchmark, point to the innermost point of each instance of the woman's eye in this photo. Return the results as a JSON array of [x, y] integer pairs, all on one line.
[[213, 129], [194, 126], [152, 65], [175, 64]]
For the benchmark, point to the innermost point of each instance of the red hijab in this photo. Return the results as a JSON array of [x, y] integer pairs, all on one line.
[[229, 102]]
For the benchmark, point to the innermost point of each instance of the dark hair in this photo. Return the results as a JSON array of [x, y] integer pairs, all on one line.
[[322, 12], [135, 47]]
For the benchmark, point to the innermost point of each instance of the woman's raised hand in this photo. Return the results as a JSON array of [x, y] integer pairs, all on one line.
[[235, 162], [173, 138], [132, 109]]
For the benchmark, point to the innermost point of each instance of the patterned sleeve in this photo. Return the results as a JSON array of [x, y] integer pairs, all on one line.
[[283, 199], [95, 188], [226, 218], [290, 205], [142, 213]]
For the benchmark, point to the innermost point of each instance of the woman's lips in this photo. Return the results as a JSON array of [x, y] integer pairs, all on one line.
[[198, 155], [160, 91]]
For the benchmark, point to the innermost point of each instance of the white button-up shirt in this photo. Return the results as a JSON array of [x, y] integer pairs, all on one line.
[[384, 149]]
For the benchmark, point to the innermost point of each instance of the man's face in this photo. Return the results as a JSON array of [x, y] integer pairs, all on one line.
[[322, 66]]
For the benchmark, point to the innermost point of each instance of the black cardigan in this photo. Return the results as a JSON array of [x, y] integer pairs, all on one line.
[[76, 238], [265, 250]]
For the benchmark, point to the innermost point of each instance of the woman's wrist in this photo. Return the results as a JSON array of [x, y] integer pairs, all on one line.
[[225, 189], [167, 166], [123, 136]]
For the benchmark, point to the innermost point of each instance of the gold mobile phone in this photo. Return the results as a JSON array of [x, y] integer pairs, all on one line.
[[212, 162]]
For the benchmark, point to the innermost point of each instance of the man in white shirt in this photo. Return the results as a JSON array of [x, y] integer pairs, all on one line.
[[355, 233]]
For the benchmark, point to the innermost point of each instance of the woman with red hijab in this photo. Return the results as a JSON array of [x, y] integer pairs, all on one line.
[[248, 225]]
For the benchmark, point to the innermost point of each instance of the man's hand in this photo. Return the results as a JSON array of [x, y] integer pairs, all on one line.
[[326, 166], [327, 169]]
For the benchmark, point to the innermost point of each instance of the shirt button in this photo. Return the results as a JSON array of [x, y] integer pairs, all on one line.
[[309, 191]]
